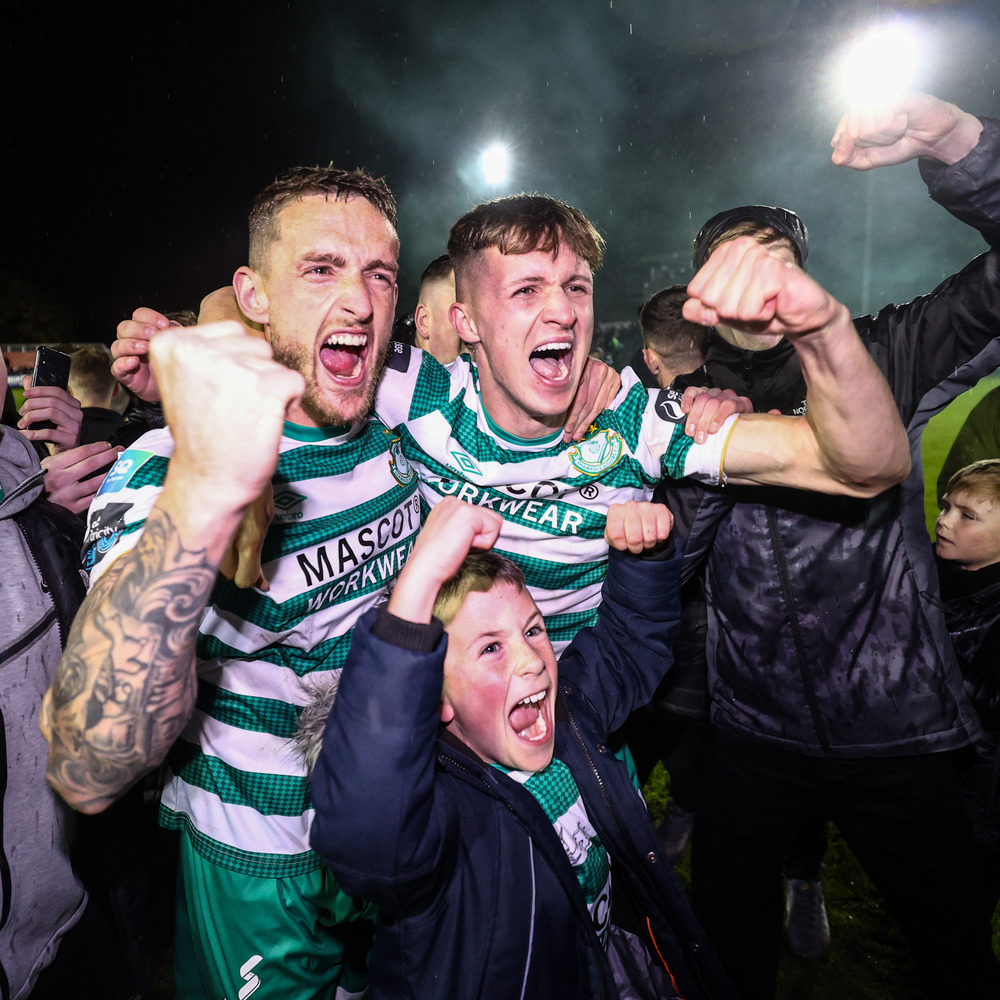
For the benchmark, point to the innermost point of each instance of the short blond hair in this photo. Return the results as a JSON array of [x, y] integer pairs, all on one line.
[[980, 479], [480, 572]]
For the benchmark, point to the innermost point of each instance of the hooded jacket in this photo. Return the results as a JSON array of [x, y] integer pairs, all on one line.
[[826, 633], [476, 895], [40, 588]]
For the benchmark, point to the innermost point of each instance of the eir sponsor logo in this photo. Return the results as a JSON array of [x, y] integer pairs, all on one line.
[[339, 556]]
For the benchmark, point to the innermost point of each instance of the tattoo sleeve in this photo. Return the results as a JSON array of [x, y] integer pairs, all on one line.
[[125, 686]]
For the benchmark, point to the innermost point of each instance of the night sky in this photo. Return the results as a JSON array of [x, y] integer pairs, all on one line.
[[136, 140]]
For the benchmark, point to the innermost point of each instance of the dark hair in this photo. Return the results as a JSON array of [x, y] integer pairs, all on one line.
[[766, 223], [480, 571], [183, 317], [439, 268], [522, 223], [302, 182], [666, 331]]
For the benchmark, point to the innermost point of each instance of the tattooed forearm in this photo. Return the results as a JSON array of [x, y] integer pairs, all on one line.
[[125, 686]]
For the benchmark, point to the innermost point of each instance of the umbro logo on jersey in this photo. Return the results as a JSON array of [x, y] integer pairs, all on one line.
[[286, 500], [668, 406], [465, 464]]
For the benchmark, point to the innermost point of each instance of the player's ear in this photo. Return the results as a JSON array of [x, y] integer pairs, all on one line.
[[651, 361], [420, 322], [447, 712], [251, 295], [461, 320]]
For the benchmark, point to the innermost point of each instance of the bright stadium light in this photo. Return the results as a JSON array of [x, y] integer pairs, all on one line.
[[495, 162], [881, 66]]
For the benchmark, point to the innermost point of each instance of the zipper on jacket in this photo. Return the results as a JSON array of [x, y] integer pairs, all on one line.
[[39, 628], [43, 583], [625, 840], [793, 618]]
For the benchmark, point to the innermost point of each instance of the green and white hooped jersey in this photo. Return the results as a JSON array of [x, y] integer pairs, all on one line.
[[346, 516], [554, 496], [555, 790]]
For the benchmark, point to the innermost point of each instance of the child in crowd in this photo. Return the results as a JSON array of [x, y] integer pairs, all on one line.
[[465, 786], [968, 558]]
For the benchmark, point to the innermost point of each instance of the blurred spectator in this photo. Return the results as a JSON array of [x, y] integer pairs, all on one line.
[[672, 345], [103, 399], [432, 317]]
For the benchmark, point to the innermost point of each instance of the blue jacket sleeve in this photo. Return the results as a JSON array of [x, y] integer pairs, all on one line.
[[376, 822], [618, 663]]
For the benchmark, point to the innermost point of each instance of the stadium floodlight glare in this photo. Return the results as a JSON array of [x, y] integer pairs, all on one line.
[[494, 162], [880, 66]]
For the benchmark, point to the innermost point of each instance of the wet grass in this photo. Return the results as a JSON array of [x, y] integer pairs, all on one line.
[[868, 959]]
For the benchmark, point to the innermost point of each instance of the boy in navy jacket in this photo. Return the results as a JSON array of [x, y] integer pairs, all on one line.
[[465, 786]]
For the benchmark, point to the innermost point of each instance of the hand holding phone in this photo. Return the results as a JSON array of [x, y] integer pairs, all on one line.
[[51, 369], [49, 414]]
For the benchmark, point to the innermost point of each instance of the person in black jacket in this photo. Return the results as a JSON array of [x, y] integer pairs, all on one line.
[[465, 785], [835, 691]]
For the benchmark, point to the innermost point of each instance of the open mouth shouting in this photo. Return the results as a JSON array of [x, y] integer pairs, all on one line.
[[343, 355], [531, 718], [553, 362]]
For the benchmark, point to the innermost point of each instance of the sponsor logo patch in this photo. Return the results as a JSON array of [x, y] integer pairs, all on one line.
[[598, 453], [103, 530], [124, 469], [668, 406]]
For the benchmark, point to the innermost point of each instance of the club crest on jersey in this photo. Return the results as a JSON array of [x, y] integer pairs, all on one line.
[[668, 406], [597, 453], [400, 468]]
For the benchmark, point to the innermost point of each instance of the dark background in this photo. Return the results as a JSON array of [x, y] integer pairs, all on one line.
[[138, 135]]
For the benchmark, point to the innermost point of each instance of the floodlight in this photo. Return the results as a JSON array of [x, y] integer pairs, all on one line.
[[494, 163], [880, 67]]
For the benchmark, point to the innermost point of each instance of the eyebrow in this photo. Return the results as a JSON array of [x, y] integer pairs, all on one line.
[[339, 260], [542, 279]]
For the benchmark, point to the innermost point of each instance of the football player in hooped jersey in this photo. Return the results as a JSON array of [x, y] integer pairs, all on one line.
[[490, 433], [164, 656], [524, 269]]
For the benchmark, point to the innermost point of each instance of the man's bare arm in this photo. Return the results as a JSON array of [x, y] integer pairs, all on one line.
[[125, 686], [126, 683], [851, 440]]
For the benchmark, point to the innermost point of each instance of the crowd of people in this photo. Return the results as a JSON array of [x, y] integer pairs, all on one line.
[[718, 558]]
